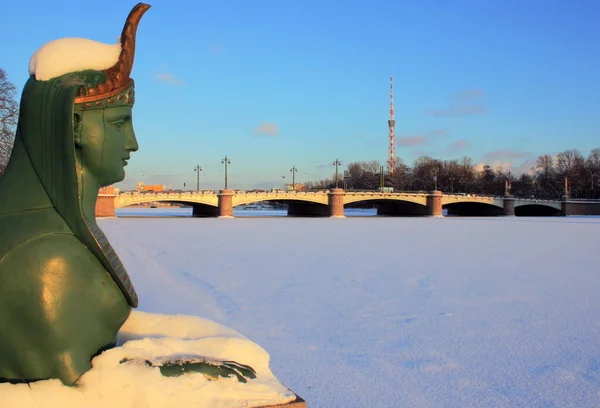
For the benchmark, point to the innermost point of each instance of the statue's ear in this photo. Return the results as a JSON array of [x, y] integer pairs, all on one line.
[[77, 125]]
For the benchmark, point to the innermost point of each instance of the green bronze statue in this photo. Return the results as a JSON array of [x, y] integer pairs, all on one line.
[[64, 293]]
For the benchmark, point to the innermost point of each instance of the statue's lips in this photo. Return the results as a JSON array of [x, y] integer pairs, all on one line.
[[125, 162]]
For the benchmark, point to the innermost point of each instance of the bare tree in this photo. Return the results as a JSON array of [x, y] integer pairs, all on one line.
[[568, 161], [8, 118], [545, 165]]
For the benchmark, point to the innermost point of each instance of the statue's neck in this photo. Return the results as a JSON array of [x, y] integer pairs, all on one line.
[[89, 188]]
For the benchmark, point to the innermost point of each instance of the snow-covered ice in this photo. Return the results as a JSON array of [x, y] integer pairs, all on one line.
[[389, 312]]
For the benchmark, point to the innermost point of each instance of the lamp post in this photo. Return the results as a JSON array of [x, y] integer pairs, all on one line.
[[184, 187], [226, 161], [336, 163], [435, 182], [294, 170], [283, 181], [197, 169]]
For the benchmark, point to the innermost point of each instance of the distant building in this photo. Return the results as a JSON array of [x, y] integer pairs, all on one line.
[[108, 190], [152, 187], [295, 187]]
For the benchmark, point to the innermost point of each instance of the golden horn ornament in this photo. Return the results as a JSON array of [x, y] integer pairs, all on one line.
[[118, 76]]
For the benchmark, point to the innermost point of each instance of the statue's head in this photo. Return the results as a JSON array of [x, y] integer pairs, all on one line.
[[91, 83]]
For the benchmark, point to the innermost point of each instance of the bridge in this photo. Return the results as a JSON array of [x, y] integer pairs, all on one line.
[[332, 202]]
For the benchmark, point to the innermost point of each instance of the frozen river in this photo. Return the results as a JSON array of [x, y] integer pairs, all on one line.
[[389, 312]]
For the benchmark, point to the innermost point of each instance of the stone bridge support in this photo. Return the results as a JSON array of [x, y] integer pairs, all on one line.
[[509, 205], [105, 203], [564, 205], [579, 207], [225, 203], [336, 202], [434, 204]]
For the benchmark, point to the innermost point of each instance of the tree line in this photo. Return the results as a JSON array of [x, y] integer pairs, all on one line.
[[547, 180]]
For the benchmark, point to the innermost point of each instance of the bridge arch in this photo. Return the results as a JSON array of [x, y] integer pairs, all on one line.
[[392, 205], [315, 198], [466, 208], [126, 200], [537, 210]]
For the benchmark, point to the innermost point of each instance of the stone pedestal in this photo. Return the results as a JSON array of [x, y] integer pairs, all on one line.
[[336, 202], [105, 204], [434, 204], [509, 205], [298, 403], [225, 203]]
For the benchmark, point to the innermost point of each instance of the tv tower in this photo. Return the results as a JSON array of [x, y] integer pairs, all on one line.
[[391, 124]]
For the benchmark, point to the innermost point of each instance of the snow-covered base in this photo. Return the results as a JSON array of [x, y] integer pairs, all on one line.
[[148, 336]]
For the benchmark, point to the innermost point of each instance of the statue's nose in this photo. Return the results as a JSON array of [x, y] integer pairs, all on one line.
[[132, 144]]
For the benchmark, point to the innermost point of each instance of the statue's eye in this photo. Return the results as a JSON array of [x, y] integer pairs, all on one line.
[[117, 123], [120, 122]]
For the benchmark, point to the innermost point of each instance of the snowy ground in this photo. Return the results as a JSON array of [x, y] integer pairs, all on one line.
[[390, 312]]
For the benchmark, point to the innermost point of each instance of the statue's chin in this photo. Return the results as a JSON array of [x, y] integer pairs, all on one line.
[[109, 181]]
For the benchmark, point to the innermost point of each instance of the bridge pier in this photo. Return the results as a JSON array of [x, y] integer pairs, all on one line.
[[434, 204], [509, 205], [336, 202], [564, 205], [225, 203], [105, 202]]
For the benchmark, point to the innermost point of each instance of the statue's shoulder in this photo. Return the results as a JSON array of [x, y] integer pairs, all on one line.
[[22, 228], [54, 252], [37, 241]]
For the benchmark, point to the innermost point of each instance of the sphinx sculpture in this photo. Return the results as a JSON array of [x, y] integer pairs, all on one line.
[[64, 293]]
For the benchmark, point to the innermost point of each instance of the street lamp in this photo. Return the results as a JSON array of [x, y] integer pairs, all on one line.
[[435, 182], [197, 169], [336, 163], [283, 181], [294, 170], [226, 161]]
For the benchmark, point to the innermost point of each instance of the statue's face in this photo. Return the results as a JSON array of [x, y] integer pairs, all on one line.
[[106, 142]]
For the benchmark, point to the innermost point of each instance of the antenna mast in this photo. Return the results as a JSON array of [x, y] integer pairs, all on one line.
[[391, 124]]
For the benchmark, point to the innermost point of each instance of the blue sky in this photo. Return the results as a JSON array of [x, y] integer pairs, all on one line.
[[275, 84]]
